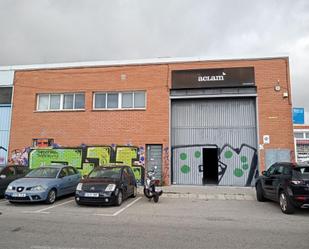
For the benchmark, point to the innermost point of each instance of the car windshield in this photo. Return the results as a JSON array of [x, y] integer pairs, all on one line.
[[43, 173], [301, 172], [105, 173]]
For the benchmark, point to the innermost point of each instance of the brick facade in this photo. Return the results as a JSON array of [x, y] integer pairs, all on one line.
[[138, 127]]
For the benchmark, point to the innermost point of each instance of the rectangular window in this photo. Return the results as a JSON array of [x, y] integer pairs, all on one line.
[[68, 101], [79, 102], [299, 135], [120, 100], [139, 100], [43, 100], [5, 95], [60, 101], [54, 102], [100, 100], [127, 100], [112, 100]]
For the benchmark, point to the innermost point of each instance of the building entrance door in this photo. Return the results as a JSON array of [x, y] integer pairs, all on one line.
[[210, 166]]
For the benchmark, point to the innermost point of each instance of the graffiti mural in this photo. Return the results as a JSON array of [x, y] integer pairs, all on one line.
[[85, 158], [166, 158], [236, 165], [20, 157], [2, 148], [67, 156]]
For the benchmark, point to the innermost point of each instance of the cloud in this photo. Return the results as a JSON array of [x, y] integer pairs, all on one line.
[[46, 31]]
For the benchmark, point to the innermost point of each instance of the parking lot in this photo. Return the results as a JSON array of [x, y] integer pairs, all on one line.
[[64, 206], [177, 221]]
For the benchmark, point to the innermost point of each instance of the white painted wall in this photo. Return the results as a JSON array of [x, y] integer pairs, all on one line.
[[6, 77], [306, 118]]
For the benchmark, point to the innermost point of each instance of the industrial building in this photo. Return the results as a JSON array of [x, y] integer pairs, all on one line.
[[200, 121]]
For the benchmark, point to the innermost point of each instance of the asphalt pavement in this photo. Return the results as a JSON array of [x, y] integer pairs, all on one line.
[[182, 219]]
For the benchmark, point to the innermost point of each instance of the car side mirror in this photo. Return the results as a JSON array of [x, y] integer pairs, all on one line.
[[2, 176], [265, 173]]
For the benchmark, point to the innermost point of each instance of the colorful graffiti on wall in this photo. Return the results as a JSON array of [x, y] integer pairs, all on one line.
[[19, 157], [85, 158], [236, 166]]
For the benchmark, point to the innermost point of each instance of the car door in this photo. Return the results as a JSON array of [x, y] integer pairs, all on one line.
[[64, 183], [132, 180], [8, 175], [277, 181], [74, 178], [268, 179], [125, 182]]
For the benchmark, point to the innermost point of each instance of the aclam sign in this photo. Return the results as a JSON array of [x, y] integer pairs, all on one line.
[[211, 78]]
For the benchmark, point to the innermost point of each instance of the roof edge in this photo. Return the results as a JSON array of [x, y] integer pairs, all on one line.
[[109, 63]]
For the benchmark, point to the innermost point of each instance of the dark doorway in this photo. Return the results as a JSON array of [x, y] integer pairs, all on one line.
[[210, 166]]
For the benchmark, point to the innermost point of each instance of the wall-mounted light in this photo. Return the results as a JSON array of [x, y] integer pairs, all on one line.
[[123, 76], [277, 86]]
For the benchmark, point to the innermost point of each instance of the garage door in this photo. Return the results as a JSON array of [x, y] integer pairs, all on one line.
[[226, 124]]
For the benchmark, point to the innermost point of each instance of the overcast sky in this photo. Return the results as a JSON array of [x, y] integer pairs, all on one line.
[[53, 31]]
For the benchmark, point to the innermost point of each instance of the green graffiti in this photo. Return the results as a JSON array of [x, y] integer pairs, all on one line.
[[238, 172], [197, 154], [138, 172], [228, 154], [41, 157], [245, 166], [185, 169], [243, 159], [87, 167], [102, 153], [126, 154], [183, 156]]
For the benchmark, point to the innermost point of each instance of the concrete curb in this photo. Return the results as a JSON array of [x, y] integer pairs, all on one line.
[[207, 192]]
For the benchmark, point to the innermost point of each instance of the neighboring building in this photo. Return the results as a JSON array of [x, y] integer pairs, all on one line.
[[6, 89], [200, 121], [301, 135]]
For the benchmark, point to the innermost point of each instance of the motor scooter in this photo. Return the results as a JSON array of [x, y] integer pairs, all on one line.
[[150, 190]]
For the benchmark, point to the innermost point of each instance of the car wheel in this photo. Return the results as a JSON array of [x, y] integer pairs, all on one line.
[[119, 198], [134, 192], [51, 197], [259, 192], [285, 203]]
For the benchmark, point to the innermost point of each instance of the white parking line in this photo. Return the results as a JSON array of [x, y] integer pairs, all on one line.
[[55, 247], [121, 210], [44, 209], [34, 212]]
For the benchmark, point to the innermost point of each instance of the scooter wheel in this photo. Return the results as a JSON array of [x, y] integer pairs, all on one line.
[[156, 198], [147, 193]]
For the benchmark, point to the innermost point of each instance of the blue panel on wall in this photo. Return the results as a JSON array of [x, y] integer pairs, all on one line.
[[5, 123], [298, 115]]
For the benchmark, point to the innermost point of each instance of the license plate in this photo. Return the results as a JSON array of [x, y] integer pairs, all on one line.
[[19, 195], [91, 194]]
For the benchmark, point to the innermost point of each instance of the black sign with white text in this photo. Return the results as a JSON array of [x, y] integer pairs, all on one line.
[[211, 78]]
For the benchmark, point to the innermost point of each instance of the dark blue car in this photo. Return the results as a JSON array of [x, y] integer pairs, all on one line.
[[44, 184]]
